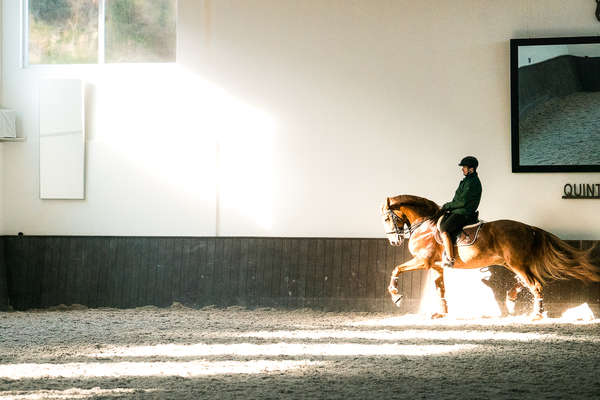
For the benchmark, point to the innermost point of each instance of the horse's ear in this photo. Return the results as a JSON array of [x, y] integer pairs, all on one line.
[[387, 202]]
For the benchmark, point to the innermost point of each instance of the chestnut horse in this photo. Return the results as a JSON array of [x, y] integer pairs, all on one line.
[[534, 255]]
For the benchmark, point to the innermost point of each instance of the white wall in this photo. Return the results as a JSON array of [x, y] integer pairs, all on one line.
[[1, 145], [297, 118], [1, 187]]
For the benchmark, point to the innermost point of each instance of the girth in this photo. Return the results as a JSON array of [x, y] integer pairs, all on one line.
[[466, 237]]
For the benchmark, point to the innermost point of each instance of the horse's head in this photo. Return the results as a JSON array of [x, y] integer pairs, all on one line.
[[395, 224]]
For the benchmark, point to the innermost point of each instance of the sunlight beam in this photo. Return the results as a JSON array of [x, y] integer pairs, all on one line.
[[415, 334], [120, 369], [281, 349], [413, 320], [73, 393], [466, 295], [582, 312]]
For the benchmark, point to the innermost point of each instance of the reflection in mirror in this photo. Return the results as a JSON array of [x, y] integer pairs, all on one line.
[[62, 139]]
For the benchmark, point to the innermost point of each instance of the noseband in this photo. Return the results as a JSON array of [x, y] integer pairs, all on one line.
[[401, 233], [407, 229]]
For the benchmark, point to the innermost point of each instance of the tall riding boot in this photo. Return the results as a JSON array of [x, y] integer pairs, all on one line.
[[448, 256]]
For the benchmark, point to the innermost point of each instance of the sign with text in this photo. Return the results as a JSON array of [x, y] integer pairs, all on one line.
[[581, 191]]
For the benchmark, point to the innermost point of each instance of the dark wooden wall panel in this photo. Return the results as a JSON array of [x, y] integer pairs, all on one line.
[[324, 273], [3, 280], [13, 256]]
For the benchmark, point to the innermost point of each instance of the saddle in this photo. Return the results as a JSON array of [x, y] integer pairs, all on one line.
[[466, 237]]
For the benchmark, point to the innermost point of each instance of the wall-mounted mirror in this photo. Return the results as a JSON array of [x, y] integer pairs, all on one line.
[[555, 88], [62, 139]]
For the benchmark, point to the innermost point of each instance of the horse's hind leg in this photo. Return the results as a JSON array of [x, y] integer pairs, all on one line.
[[512, 294], [538, 302], [438, 274], [535, 288]]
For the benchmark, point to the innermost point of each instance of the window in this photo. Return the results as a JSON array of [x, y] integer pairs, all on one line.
[[99, 31]]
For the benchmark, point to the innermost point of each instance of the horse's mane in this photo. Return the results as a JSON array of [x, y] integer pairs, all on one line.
[[421, 205]]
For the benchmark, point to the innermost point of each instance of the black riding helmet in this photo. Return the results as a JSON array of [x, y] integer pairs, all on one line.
[[469, 161]]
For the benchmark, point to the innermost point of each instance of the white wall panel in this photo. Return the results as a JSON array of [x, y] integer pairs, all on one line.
[[62, 139]]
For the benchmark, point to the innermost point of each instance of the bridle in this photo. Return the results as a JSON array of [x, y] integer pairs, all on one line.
[[407, 229]]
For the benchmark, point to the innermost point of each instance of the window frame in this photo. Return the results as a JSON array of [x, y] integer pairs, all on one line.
[[101, 39]]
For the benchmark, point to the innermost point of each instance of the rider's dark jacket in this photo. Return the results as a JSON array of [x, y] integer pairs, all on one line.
[[467, 197]]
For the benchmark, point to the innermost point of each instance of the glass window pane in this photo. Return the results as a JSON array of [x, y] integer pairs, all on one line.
[[63, 31], [140, 31]]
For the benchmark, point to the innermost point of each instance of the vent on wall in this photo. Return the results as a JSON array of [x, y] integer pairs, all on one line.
[[8, 124]]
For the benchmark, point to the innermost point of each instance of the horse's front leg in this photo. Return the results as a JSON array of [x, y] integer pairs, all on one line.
[[411, 265], [440, 288]]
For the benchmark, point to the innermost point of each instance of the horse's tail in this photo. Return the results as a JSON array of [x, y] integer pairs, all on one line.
[[558, 260]]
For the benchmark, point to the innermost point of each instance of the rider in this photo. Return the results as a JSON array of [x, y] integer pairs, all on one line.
[[462, 210]]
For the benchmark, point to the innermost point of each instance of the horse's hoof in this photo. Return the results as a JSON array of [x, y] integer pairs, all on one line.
[[438, 315], [397, 299], [537, 317]]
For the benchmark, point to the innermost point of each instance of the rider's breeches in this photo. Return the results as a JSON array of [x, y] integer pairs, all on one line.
[[453, 224]]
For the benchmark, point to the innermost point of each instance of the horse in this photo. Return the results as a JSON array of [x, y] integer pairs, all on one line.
[[535, 256]]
